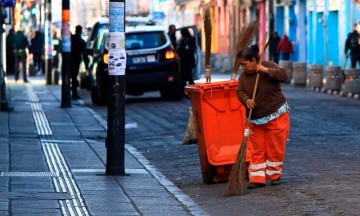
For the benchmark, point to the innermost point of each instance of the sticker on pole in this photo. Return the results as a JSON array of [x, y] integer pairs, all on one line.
[[116, 16], [117, 62], [116, 40], [66, 37]]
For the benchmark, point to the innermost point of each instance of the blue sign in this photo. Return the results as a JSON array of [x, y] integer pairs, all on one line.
[[8, 3]]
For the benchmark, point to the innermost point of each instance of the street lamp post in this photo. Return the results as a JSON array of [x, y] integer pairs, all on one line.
[[115, 142], [66, 55]]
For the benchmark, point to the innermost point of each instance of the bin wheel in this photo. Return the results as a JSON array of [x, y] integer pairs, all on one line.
[[210, 175]]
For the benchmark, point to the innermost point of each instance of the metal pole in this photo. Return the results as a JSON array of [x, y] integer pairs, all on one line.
[[326, 38], [2, 80], [4, 106], [48, 44], [115, 142], [66, 55]]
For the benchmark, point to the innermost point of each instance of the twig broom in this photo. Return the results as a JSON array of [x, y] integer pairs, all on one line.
[[245, 37], [237, 178], [208, 32]]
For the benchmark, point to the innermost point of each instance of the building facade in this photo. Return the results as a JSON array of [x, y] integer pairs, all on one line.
[[317, 28]]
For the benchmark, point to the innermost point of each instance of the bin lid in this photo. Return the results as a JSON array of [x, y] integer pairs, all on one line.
[[204, 87]]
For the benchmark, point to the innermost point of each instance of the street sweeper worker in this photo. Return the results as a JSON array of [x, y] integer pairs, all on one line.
[[269, 123]]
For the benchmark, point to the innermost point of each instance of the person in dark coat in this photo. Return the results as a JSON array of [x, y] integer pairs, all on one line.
[[37, 50], [172, 34], [78, 54], [186, 52], [285, 47], [352, 44], [56, 42], [274, 42], [20, 44], [10, 56]]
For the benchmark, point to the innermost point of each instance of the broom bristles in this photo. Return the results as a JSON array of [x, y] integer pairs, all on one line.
[[208, 32], [237, 178], [246, 35]]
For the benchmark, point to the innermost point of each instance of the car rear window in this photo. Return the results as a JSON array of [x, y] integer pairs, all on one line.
[[144, 40], [98, 27]]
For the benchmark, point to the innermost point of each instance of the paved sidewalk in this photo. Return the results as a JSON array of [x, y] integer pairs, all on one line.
[[52, 162]]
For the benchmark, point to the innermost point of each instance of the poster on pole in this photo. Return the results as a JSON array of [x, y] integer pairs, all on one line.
[[117, 61], [116, 16], [65, 31], [116, 41]]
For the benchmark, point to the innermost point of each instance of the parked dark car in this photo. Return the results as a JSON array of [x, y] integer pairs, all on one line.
[[151, 64], [96, 29]]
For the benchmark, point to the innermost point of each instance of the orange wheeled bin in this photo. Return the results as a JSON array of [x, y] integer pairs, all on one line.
[[219, 120]]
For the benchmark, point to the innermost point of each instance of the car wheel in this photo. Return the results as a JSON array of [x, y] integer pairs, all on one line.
[[165, 94], [177, 91]]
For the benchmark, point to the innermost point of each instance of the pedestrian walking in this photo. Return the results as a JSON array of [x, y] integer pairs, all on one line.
[[78, 54], [21, 45], [186, 52], [352, 44], [56, 49], [269, 123], [285, 47], [172, 34], [10, 56], [37, 50], [274, 42]]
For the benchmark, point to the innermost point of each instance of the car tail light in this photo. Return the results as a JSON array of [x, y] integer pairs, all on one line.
[[105, 58], [171, 79], [170, 54]]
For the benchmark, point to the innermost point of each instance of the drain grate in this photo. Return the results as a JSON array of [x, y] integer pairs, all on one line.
[[29, 174]]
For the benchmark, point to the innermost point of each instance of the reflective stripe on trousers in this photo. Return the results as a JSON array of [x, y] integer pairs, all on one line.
[[266, 149]]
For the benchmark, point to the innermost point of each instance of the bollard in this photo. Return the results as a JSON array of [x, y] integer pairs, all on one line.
[[352, 81], [299, 74], [316, 76], [334, 78], [287, 65]]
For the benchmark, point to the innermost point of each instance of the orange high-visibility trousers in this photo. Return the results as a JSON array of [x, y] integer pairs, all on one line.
[[266, 149]]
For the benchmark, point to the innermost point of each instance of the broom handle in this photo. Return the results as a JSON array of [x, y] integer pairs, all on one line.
[[257, 80], [253, 98]]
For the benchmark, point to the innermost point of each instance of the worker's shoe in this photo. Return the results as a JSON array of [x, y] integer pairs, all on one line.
[[275, 182], [255, 185]]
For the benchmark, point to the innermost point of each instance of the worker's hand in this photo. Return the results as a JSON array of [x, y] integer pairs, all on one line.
[[346, 56], [250, 103]]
